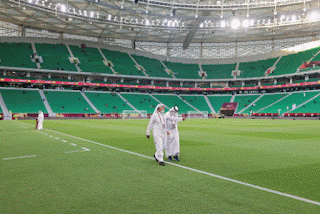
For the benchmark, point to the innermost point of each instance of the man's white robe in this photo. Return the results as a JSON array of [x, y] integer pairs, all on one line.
[[158, 125], [40, 120], [172, 143]]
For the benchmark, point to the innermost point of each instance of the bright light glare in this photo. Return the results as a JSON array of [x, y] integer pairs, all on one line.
[[147, 22], [235, 24], [245, 23], [201, 25], [294, 18], [223, 24], [30, 1], [313, 16], [63, 8]]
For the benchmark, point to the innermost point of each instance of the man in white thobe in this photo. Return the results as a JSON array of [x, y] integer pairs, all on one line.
[[172, 143], [158, 125], [40, 120]]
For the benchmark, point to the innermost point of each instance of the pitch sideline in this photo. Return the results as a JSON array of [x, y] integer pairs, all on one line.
[[195, 170]]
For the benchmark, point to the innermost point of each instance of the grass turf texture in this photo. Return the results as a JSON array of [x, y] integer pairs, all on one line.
[[282, 155]]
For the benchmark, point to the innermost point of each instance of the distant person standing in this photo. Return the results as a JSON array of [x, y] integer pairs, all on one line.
[[172, 143], [158, 124], [40, 120]]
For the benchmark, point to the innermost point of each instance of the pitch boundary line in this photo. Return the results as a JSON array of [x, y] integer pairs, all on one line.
[[29, 156], [196, 170]]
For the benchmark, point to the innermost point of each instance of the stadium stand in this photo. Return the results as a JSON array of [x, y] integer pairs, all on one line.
[[67, 102], [310, 107], [122, 63], [23, 101], [55, 57], [219, 71], [184, 71], [154, 67], [198, 102], [107, 102], [172, 100], [290, 63], [244, 101], [286, 104], [217, 101], [141, 101], [255, 69], [264, 101], [16, 55], [90, 60]]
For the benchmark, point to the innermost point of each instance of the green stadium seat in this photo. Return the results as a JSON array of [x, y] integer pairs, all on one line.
[[244, 101], [16, 55], [198, 102], [290, 63], [295, 98], [90, 60], [141, 101], [122, 63], [108, 103], [154, 67], [172, 100], [217, 101], [255, 69], [264, 101], [184, 71], [68, 102], [219, 71], [23, 101], [55, 57]]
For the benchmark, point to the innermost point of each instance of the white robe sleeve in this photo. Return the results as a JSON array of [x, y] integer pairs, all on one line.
[[150, 125]]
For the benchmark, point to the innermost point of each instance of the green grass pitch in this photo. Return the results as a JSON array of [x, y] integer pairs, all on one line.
[[63, 176]]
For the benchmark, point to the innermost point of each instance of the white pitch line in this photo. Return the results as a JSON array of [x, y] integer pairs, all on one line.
[[19, 157], [72, 144], [57, 138], [200, 171], [50, 136], [84, 150], [64, 141]]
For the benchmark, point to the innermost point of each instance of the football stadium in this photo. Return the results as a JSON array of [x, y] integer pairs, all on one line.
[[160, 106]]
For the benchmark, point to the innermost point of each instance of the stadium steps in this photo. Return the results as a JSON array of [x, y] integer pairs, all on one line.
[[141, 101], [209, 104], [107, 102], [142, 70], [275, 102], [304, 103], [188, 103], [6, 114], [172, 100], [46, 104], [89, 102], [197, 101], [55, 57], [314, 56], [232, 98], [217, 101], [35, 52], [255, 68], [166, 67], [71, 54], [91, 60], [104, 57], [159, 101], [251, 104], [126, 101]]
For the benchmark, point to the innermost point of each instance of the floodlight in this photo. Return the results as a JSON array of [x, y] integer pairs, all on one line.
[[313, 16], [63, 8], [223, 24], [235, 24], [30, 1], [245, 23]]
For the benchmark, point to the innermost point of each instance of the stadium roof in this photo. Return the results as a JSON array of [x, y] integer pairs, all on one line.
[[175, 21]]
